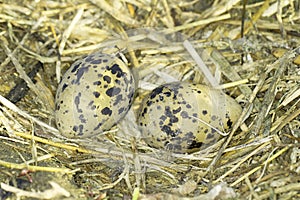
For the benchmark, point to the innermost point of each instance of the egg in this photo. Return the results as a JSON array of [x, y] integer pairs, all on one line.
[[94, 95], [183, 117]]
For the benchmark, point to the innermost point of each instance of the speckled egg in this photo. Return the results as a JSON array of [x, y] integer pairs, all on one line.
[[93, 95], [183, 117]]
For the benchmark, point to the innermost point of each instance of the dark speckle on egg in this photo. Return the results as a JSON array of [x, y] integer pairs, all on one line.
[[96, 94], [106, 111]]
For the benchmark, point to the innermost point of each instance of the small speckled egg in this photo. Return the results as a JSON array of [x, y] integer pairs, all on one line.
[[183, 117], [93, 95]]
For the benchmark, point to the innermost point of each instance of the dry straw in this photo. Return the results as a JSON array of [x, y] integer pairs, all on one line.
[[258, 159]]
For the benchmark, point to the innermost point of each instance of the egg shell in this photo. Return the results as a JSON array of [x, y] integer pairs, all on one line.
[[93, 95], [183, 117]]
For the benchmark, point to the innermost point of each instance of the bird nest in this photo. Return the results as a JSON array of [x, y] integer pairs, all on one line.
[[251, 52]]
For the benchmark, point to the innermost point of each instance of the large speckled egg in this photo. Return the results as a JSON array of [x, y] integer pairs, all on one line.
[[93, 95], [183, 117]]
